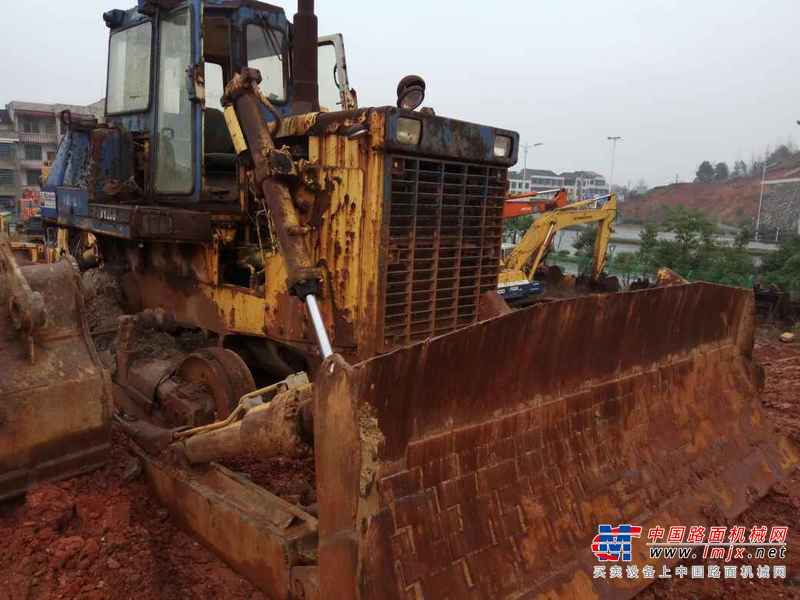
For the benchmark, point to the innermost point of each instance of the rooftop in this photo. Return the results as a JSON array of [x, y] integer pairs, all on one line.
[[581, 175], [40, 108], [525, 173]]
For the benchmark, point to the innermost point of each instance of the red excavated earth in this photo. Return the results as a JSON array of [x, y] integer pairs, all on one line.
[[731, 203], [103, 536]]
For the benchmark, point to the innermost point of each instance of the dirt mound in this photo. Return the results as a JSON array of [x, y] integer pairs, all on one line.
[[731, 203], [102, 296], [101, 537], [292, 479]]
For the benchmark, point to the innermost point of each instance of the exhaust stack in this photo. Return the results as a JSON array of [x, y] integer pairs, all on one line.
[[305, 58]]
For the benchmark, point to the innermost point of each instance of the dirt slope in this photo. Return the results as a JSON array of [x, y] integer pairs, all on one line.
[[733, 202]]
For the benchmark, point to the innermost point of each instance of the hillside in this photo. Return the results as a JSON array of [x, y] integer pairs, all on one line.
[[733, 202]]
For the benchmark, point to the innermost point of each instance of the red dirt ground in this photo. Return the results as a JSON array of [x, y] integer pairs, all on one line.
[[99, 536]]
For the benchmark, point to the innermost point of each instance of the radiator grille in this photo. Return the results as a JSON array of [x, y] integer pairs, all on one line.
[[444, 231]]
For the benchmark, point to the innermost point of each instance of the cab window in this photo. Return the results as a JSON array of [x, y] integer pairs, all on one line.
[[129, 70], [215, 86], [330, 98], [174, 171], [265, 52]]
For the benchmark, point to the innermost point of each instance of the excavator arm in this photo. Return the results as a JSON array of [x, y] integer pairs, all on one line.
[[527, 255], [517, 205]]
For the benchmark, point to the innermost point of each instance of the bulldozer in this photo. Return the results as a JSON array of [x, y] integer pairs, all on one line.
[[341, 264]]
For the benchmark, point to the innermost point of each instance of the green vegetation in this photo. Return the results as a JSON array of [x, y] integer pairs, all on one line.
[[782, 268], [705, 172], [692, 250], [514, 229], [695, 254], [708, 172]]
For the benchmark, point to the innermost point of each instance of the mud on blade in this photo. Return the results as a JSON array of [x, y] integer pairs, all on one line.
[[479, 464], [55, 395]]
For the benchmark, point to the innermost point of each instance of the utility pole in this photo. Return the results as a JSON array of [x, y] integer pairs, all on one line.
[[613, 139], [525, 160], [761, 196]]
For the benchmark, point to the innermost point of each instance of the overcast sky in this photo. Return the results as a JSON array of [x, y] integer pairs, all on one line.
[[679, 80]]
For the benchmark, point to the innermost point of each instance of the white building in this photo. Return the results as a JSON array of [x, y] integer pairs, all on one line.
[[581, 185], [534, 180], [584, 185]]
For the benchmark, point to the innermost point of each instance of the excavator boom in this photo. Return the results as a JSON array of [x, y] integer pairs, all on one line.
[[516, 280]]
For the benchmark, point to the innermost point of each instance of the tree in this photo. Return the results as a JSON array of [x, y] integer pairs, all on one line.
[[780, 154], [693, 252], [627, 265], [705, 172], [648, 248], [584, 248], [743, 237], [740, 169], [514, 229], [641, 187], [782, 267], [721, 172]]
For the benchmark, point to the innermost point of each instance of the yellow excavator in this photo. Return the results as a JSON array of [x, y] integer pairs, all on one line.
[[339, 270], [516, 283]]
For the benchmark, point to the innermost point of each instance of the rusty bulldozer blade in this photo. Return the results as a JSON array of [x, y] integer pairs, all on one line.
[[55, 397], [479, 464]]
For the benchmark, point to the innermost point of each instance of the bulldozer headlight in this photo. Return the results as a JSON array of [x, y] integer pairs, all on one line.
[[409, 131], [502, 146], [410, 92]]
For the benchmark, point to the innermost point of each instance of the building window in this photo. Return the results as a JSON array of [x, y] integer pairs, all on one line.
[[50, 126], [51, 156], [32, 176], [29, 125], [6, 151], [6, 177], [33, 152]]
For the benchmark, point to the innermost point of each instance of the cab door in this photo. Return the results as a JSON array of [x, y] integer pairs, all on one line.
[[334, 87], [177, 147]]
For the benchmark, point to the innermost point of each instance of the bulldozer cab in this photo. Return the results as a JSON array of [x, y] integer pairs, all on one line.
[[167, 67]]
